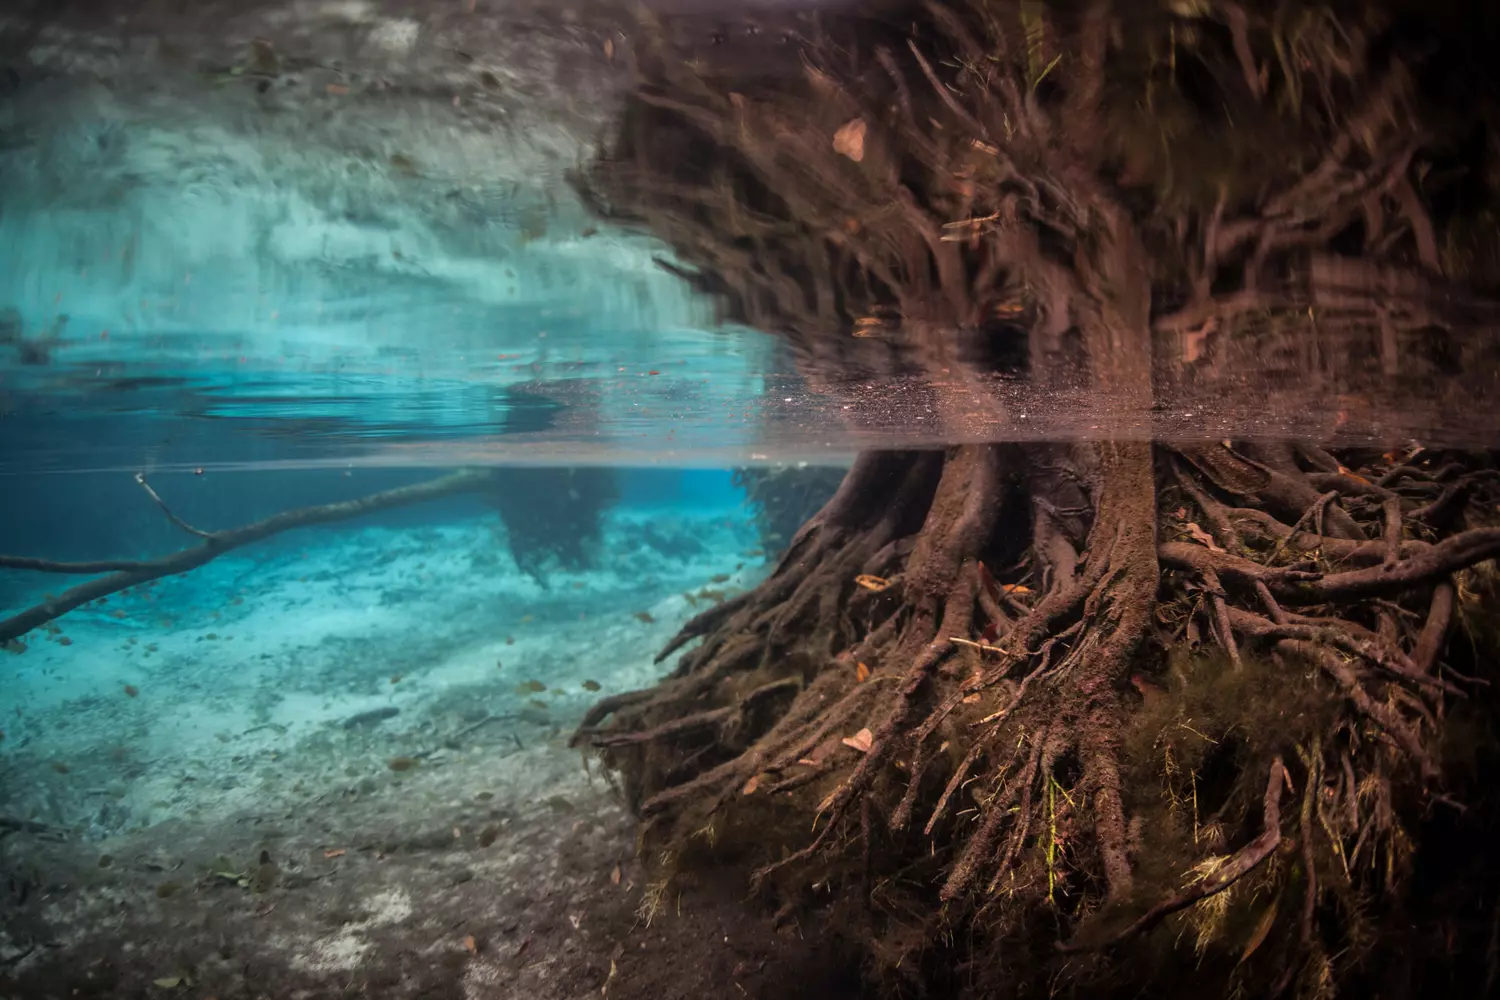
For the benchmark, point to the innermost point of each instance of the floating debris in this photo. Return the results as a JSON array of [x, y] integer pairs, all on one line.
[[861, 741], [403, 164], [644, 617], [371, 717], [591, 685]]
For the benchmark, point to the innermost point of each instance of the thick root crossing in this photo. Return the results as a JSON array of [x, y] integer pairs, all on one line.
[[907, 685]]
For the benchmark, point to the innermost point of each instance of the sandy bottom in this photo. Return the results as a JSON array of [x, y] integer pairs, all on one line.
[[337, 766]]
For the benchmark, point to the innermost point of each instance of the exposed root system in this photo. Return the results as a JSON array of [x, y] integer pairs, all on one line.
[[1037, 714]]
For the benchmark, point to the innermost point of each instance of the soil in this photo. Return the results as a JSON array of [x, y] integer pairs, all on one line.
[[491, 876]]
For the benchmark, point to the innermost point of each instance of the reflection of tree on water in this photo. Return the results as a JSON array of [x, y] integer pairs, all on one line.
[[553, 516], [1183, 713], [782, 498]]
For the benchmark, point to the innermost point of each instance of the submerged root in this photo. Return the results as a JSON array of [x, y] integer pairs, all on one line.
[[1026, 749], [1050, 694]]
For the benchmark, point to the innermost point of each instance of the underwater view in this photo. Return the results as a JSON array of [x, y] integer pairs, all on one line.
[[774, 499]]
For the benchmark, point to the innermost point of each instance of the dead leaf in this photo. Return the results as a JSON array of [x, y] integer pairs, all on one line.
[[614, 875], [1014, 588], [609, 48], [470, 945], [861, 741], [1194, 340], [970, 699], [337, 89], [751, 785], [1262, 930], [1199, 535], [875, 583], [1358, 479], [850, 139], [861, 672], [168, 982], [337, 852]]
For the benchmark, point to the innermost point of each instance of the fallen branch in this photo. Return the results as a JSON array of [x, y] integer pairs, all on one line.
[[9, 824], [156, 498], [217, 543]]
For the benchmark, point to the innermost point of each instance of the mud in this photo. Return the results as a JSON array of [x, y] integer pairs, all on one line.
[[492, 876]]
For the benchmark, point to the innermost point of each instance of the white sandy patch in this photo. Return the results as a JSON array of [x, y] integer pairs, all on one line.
[[245, 672]]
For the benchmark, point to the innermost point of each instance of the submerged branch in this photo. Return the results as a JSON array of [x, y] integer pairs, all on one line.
[[217, 543]]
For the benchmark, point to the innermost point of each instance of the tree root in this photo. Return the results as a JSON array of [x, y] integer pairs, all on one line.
[[1029, 705]]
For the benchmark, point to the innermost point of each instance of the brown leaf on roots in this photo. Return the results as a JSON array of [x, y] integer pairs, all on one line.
[[861, 741], [751, 785], [1194, 340], [850, 139], [470, 945], [861, 672], [1199, 535], [875, 583], [1262, 930]]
